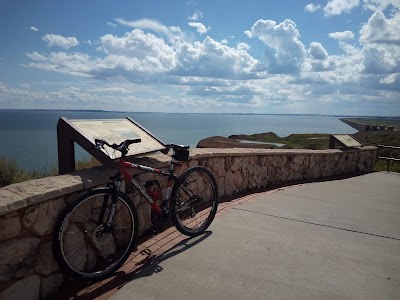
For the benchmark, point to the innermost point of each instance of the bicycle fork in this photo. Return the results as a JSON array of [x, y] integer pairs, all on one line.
[[114, 185]]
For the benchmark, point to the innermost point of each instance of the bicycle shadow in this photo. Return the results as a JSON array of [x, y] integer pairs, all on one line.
[[154, 264], [144, 268]]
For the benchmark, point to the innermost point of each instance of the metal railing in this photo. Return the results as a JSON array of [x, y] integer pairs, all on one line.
[[389, 157]]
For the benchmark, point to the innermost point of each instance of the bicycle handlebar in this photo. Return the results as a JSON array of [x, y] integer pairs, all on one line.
[[122, 147]]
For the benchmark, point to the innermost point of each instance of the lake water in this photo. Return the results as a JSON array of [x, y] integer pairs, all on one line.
[[30, 136]]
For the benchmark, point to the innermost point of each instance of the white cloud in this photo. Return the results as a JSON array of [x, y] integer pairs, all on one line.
[[208, 75], [36, 56], [120, 90], [60, 41], [137, 52], [67, 97], [34, 28], [317, 51], [381, 30], [341, 36], [199, 26], [243, 46], [381, 59], [196, 16], [318, 60], [312, 7], [152, 25], [76, 64], [288, 51], [381, 40], [213, 59], [391, 79], [224, 41], [337, 7], [381, 5], [112, 24], [144, 57]]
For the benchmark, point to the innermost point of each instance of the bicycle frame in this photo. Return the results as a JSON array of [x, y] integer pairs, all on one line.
[[122, 169]]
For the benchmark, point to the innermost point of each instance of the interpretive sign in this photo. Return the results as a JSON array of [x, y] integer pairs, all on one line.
[[84, 133], [343, 140], [117, 131]]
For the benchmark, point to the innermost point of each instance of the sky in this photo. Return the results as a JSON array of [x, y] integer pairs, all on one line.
[[336, 57]]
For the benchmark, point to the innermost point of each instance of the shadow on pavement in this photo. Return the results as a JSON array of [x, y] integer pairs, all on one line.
[[131, 270]]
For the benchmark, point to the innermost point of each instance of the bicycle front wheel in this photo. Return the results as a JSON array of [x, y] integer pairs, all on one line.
[[84, 246], [195, 197]]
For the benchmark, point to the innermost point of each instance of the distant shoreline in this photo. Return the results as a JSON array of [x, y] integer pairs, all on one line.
[[214, 113]]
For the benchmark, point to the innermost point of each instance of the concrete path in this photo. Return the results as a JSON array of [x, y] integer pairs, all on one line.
[[329, 240]]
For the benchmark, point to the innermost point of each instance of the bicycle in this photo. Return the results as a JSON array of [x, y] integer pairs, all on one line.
[[96, 233]]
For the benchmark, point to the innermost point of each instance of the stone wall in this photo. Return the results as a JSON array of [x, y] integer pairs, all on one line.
[[28, 210]]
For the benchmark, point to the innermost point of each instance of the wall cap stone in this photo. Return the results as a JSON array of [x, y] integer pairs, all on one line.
[[226, 152], [24, 194]]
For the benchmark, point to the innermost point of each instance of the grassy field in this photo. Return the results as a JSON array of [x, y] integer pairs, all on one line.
[[321, 141], [293, 141], [10, 172], [375, 138]]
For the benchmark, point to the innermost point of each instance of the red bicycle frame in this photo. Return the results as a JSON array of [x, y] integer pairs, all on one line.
[[124, 165]]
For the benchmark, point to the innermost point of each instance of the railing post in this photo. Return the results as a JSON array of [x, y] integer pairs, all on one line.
[[66, 150]]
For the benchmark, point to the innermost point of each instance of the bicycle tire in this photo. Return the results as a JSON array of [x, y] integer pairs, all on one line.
[[81, 246], [195, 201]]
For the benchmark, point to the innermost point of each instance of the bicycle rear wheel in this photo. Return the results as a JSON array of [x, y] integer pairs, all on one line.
[[83, 246], [195, 197]]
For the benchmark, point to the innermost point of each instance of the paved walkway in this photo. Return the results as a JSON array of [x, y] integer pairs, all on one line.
[[329, 240]]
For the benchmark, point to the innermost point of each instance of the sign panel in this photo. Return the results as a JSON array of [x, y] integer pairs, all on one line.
[[117, 131], [346, 140], [84, 133]]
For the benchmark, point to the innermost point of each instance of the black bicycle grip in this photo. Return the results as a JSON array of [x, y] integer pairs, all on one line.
[[134, 141]]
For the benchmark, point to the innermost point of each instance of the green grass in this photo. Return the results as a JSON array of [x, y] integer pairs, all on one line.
[[11, 173], [293, 141], [321, 141], [375, 138], [381, 165], [87, 163]]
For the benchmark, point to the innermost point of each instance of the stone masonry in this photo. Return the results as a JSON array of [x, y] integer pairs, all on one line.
[[28, 211]]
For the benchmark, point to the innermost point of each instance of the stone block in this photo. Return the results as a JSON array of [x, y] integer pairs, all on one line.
[[236, 164], [50, 285], [193, 163], [10, 201], [229, 184], [26, 289], [221, 186], [217, 166], [298, 159], [40, 218], [46, 263], [10, 226], [17, 258]]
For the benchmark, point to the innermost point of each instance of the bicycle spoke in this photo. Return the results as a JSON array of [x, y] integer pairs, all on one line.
[[196, 201], [92, 250]]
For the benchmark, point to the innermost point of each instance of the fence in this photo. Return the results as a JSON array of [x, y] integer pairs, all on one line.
[[387, 151]]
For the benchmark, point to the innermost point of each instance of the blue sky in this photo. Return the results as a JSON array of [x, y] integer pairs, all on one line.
[[322, 57]]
